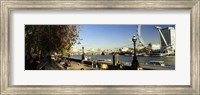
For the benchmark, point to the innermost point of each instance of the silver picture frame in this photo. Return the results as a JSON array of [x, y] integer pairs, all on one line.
[[8, 5]]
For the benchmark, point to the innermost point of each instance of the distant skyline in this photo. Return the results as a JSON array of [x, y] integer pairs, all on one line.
[[115, 36]]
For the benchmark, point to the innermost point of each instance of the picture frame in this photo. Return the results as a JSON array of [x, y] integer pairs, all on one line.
[[9, 5]]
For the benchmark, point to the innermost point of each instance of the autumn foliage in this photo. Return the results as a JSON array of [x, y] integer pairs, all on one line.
[[46, 39]]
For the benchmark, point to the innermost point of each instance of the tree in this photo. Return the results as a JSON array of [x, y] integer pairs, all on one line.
[[46, 39], [150, 46]]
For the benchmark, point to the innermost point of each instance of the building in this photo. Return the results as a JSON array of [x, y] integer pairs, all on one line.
[[116, 50], [155, 47], [140, 46], [167, 38], [125, 49]]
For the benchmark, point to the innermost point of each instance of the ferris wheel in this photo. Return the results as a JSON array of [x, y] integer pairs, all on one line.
[[141, 41]]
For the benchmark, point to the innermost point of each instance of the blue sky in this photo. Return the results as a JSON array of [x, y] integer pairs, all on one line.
[[115, 36]]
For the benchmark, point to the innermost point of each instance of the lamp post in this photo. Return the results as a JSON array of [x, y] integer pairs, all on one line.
[[135, 63], [83, 54]]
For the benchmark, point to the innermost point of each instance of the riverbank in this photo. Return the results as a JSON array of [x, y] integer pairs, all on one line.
[[77, 64], [168, 60]]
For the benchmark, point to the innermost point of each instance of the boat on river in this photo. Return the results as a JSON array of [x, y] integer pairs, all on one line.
[[154, 62], [109, 60]]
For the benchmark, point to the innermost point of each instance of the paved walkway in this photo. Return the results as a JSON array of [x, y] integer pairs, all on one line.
[[57, 66], [54, 66], [50, 66], [79, 66]]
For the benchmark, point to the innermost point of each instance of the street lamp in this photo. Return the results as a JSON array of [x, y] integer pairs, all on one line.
[[83, 54], [135, 63]]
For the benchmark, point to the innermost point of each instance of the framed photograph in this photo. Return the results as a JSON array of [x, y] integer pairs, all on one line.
[[99, 47]]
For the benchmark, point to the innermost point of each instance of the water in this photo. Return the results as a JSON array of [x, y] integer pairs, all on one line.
[[128, 59]]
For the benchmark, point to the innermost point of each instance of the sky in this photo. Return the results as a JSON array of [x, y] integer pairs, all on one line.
[[115, 36]]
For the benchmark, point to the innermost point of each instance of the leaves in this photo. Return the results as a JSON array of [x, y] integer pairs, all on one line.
[[50, 38]]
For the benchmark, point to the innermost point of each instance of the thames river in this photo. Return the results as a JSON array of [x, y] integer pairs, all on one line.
[[168, 60]]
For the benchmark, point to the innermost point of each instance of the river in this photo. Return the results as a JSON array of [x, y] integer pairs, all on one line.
[[168, 60]]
